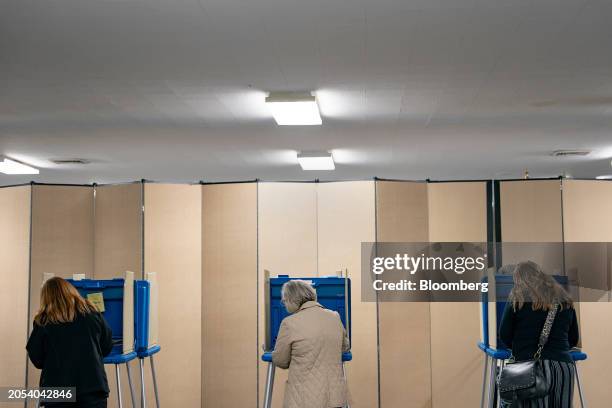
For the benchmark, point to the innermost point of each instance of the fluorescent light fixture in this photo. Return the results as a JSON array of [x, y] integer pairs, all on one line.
[[604, 177], [8, 166], [316, 161], [294, 108]]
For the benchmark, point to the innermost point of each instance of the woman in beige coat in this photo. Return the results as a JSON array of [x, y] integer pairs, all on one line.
[[310, 343]]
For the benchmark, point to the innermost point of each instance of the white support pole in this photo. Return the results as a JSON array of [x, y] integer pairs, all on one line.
[[154, 382], [269, 386], [492, 388], [348, 405], [129, 375], [143, 397], [484, 381], [502, 364], [582, 404], [118, 385]]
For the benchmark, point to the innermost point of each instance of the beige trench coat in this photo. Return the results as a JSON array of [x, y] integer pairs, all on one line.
[[310, 344]]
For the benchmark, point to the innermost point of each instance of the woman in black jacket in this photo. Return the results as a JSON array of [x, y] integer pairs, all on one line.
[[533, 295], [69, 340]]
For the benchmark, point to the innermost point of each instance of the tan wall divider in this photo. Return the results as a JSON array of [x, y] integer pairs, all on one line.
[[118, 248], [229, 296], [587, 217], [404, 327], [346, 218], [14, 274], [287, 246], [62, 239], [173, 250], [118, 231], [531, 213], [457, 213]]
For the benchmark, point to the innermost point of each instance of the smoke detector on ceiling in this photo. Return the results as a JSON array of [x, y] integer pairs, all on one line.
[[71, 161], [570, 152]]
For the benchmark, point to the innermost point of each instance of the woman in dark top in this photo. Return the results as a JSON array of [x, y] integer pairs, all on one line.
[[533, 295], [69, 340]]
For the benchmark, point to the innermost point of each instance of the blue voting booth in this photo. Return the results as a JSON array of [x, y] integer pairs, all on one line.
[[333, 293], [496, 352], [126, 307], [145, 319]]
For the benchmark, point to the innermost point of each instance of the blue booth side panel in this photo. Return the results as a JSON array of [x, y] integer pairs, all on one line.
[[141, 314], [330, 294]]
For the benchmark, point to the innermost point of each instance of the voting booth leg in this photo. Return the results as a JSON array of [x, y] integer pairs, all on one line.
[[129, 375], [484, 382], [118, 385], [269, 386], [154, 382], [492, 388], [348, 404], [143, 398], [579, 386], [502, 364]]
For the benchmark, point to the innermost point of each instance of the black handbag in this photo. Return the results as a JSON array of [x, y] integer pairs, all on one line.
[[526, 380]]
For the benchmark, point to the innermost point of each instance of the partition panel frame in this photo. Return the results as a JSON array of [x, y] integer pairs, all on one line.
[[172, 214], [15, 218], [457, 213], [287, 244], [229, 295], [61, 240], [347, 218], [402, 216], [587, 218]]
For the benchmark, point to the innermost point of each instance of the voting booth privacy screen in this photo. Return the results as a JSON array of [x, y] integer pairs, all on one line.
[[333, 293], [126, 307], [494, 303]]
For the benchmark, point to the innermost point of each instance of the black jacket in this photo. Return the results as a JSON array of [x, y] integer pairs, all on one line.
[[521, 330], [70, 354]]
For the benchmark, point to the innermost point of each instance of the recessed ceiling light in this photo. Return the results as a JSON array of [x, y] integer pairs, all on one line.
[[316, 161], [9, 166], [294, 108], [604, 177]]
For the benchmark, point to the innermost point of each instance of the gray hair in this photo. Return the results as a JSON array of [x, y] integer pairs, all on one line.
[[297, 292]]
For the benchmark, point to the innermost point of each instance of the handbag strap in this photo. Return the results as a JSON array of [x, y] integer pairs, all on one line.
[[550, 319]]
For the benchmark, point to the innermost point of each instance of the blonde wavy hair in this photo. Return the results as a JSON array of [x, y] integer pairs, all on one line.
[[532, 285], [60, 302]]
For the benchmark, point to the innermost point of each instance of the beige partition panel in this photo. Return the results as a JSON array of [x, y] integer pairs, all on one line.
[[117, 249], [287, 237], [587, 217], [229, 295], [118, 231], [62, 239], [346, 218], [531, 213], [457, 213], [405, 371], [14, 274], [173, 250]]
